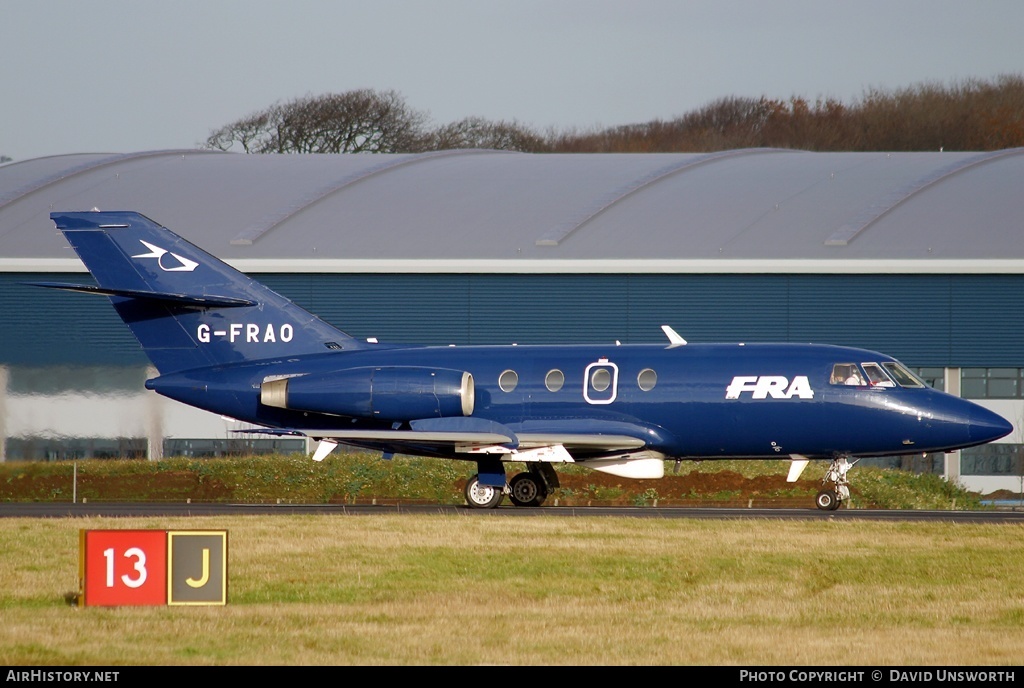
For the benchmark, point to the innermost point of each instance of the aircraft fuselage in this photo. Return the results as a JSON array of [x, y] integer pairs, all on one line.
[[695, 401]]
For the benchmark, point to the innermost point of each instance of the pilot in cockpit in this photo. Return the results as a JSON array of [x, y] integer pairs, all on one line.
[[847, 374]]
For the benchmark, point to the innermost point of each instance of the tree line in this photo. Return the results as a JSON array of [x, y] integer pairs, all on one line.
[[968, 115]]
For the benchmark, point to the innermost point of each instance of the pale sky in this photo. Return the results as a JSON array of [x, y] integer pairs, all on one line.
[[122, 76]]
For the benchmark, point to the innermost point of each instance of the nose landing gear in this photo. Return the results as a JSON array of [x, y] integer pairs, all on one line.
[[830, 499]]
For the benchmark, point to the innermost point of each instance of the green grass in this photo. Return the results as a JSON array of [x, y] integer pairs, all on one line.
[[471, 589], [354, 477]]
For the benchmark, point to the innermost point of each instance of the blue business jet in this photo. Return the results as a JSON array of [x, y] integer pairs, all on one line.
[[225, 343]]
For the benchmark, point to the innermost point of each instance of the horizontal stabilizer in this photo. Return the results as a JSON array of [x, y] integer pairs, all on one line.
[[202, 301]]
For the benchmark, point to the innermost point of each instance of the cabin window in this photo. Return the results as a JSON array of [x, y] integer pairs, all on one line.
[[554, 380], [847, 374], [903, 377], [508, 380], [647, 379], [876, 376], [600, 379]]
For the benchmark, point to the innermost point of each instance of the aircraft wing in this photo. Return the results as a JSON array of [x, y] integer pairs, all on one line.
[[454, 442], [412, 437]]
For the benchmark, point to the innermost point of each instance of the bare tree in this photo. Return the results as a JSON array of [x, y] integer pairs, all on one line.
[[477, 132], [969, 115], [250, 133], [360, 121]]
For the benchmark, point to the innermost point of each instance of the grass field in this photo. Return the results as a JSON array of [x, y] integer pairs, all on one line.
[[351, 477], [477, 590]]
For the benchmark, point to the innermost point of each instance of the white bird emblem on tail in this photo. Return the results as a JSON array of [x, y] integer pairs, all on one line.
[[158, 253]]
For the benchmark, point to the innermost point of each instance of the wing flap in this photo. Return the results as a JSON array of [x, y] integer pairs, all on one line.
[[570, 441]]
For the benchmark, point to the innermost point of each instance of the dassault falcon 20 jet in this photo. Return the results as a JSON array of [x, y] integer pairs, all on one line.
[[225, 343]]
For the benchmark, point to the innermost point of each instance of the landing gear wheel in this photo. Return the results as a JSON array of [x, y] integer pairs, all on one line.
[[482, 496], [827, 500], [527, 489], [830, 499]]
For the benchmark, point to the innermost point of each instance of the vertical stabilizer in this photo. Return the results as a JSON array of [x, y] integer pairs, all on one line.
[[187, 308]]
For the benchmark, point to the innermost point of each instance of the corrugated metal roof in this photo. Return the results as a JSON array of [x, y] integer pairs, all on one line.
[[757, 210]]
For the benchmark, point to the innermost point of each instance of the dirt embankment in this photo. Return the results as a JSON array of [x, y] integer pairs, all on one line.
[[724, 488]]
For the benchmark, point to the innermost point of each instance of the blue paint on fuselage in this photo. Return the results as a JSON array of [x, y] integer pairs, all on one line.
[[686, 414]]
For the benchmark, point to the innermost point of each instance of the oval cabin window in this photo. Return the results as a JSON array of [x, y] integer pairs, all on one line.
[[508, 380]]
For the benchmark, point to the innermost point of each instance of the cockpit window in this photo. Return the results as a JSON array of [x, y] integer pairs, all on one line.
[[903, 377], [876, 376], [847, 374]]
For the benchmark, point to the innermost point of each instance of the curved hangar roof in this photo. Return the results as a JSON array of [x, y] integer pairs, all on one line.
[[754, 210]]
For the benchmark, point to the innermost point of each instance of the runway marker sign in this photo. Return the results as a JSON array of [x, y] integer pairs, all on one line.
[[152, 567]]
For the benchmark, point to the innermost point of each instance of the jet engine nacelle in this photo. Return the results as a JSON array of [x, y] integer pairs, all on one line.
[[383, 393]]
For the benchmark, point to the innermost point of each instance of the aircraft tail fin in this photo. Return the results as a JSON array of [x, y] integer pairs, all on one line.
[[187, 308]]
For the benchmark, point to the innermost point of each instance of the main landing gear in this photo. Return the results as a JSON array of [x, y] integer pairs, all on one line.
[[830, 499], [529, 488], [482, 496]]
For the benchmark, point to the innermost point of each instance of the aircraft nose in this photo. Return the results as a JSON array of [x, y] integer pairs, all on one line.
[[986, 426]]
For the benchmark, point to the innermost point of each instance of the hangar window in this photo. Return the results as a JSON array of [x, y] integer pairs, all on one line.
[[992, 383], [992, 459], [933, 377], [647, 379], [554, 380], [508, 380]]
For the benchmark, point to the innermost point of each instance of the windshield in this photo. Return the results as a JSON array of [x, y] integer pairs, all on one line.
[[847, 374], [874, 375], [903, 377]]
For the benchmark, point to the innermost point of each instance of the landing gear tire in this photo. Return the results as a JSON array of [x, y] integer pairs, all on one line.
[[527, 489], [827, 500], [482, 496]]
